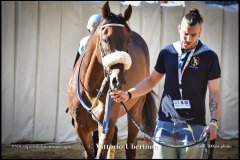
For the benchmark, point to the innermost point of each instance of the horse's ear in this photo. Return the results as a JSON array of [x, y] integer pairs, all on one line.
[[127, 13], [105, 10]]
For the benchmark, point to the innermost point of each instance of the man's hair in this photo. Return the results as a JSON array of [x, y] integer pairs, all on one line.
[[193, 17]]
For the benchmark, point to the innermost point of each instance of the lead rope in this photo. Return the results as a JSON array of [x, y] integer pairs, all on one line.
[[204, 139], [98, 95], [210, 148]]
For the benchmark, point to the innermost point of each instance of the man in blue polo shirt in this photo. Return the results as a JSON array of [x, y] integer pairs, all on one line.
[[189, 67]]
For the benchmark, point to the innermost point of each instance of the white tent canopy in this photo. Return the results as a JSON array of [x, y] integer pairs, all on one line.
[[39, 44]]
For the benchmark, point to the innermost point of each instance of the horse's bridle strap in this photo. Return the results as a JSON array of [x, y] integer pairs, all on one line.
[[112, 25]]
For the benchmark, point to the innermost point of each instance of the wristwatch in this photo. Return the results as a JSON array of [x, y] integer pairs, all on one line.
[[215, 121]]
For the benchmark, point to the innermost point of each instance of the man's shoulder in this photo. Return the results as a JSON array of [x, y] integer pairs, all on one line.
[[168, 48], [205, 50]]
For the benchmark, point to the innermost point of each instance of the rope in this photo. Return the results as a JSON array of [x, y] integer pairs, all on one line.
[[204, 138]]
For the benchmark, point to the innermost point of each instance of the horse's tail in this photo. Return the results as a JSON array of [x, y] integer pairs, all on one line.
[[149, 113]]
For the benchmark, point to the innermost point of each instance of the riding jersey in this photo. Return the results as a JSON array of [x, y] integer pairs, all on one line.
[[203, 66], [83, 44]]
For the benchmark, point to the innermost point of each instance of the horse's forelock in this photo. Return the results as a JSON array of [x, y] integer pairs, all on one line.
[[113, 18]]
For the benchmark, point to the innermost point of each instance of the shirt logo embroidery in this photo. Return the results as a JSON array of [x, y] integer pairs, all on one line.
[[195, 61]]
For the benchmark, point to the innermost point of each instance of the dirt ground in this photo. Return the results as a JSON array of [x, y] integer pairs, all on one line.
[[224, 149]]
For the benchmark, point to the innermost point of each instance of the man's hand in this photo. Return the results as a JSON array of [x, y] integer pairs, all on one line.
[[119, 96], [212, 131]]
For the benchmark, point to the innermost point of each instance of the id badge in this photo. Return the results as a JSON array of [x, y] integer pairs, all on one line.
[[181, 104]]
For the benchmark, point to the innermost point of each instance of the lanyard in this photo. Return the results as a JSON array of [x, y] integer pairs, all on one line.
[[180, 73]]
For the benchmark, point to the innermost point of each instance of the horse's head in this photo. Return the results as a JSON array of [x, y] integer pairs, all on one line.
[[114, 37]]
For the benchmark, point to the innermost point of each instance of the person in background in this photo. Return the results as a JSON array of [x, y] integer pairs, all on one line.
[[92, 25], [189, 67]]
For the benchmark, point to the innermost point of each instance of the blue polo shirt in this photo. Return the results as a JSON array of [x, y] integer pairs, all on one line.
[[201, 68]]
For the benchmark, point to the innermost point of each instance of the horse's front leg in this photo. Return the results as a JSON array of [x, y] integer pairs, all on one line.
[[87, 141], [111, 150], [104, 142], [84, 129]]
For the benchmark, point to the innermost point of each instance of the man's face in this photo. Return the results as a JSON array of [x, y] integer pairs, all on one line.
[[189, 34]]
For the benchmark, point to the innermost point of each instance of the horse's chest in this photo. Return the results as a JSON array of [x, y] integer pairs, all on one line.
[[98, 110]]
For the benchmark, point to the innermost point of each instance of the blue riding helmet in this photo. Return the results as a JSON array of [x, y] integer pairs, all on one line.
[[93, 22]]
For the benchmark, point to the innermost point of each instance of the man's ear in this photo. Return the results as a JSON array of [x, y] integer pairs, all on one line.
[[179, 28]]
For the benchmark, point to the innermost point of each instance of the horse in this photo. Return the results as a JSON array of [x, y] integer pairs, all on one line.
[[120, 56]]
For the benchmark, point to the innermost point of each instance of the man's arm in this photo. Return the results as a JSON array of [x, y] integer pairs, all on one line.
[[140, 89], [215, 106], [214, 98]]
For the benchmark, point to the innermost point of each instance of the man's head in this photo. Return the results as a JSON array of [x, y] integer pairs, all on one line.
[[93, 22], [190, 29]]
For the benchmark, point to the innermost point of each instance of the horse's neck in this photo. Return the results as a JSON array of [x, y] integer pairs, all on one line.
[[92, 70]]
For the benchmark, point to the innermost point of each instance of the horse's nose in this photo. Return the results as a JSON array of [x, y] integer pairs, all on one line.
[[118, 81]]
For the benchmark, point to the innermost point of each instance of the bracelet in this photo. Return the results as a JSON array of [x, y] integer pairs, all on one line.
[[129, 95], [214, 125]]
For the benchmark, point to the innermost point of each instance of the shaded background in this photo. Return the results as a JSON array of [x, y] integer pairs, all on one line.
[[40, 41]]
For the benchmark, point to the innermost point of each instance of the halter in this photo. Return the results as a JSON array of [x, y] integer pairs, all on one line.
[[112, 25]]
